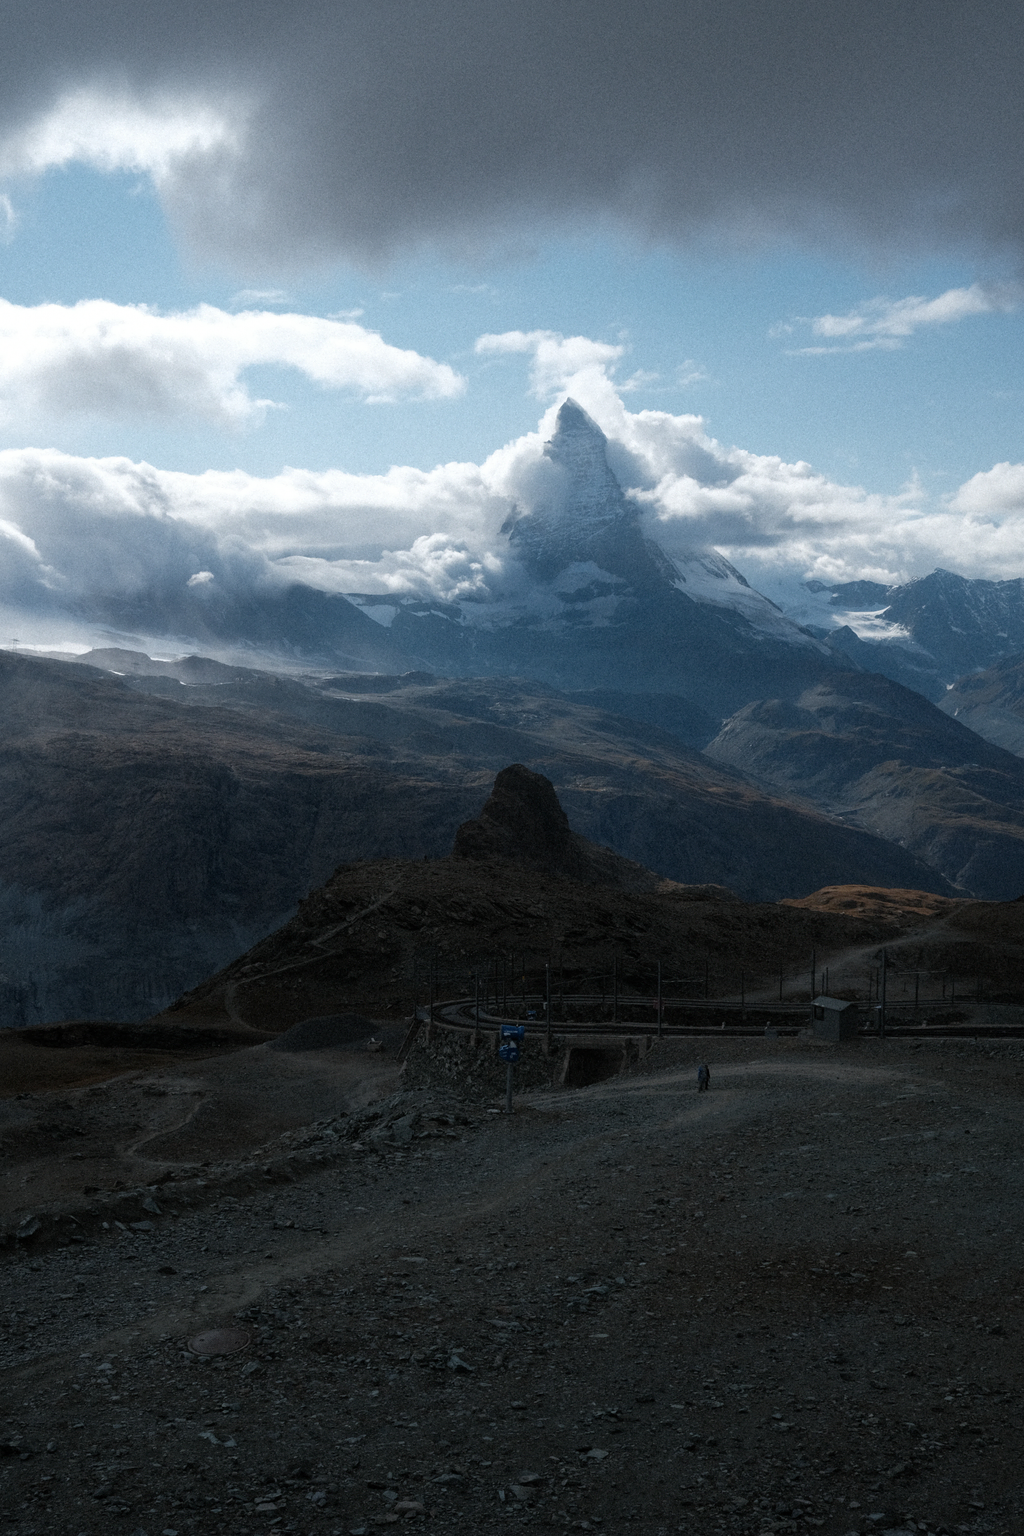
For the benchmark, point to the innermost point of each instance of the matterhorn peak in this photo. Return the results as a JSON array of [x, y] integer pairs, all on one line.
[[580, 448], [589, 521]]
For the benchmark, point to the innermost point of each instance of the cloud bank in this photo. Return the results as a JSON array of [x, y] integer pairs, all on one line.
[[127, 360], [280, 134], [96, 539]]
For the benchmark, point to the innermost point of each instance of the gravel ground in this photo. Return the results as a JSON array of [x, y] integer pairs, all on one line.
[[792, 1304]]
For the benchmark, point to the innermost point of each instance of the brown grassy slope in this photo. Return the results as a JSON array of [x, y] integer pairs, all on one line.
[[357, 941]]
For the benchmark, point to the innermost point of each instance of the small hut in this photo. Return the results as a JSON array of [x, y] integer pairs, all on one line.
[[835, 1018]]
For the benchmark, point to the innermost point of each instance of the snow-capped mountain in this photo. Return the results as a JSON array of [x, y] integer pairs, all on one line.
[[925, 633], [589, 601]]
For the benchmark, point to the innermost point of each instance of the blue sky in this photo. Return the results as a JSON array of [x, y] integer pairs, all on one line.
[[942, 405]]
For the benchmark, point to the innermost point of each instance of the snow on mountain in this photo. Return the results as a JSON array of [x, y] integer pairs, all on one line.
[[581, 560], [705, 576], [947, 624]]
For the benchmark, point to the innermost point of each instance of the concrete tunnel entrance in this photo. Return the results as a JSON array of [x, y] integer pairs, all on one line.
[[586, 1064]]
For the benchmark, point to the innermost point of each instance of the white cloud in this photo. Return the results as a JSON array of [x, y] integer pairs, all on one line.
[[109, 359], [99, 536], [887, 323], [119, 132], [560, 363], [245, 298]]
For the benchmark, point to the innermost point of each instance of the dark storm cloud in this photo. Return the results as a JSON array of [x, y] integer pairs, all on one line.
[[370, 128]]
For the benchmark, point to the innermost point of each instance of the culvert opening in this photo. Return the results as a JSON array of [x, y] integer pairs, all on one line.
[[586, 1064]]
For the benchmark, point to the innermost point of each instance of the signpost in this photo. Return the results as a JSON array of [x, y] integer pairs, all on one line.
[[512, 1036]]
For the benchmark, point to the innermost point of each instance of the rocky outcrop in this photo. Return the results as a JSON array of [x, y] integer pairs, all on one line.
[[523, 820]]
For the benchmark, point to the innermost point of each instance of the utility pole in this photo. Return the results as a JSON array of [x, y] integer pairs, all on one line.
[[881, 995], [547, 1003], [814, 971], [660, 1005]]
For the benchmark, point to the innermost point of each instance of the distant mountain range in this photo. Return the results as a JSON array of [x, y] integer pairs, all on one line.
[[925, 633], [865, 748], [591, 603]]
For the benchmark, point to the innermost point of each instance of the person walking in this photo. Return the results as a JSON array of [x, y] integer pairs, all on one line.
[[703, 1077]]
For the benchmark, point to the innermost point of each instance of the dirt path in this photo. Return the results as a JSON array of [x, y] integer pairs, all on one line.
[[790, 1305]]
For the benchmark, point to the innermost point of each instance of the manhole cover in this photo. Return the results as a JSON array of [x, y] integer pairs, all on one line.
[[219, 1341]]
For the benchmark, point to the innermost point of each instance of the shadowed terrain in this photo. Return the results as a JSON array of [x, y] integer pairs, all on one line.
[[150, 839]]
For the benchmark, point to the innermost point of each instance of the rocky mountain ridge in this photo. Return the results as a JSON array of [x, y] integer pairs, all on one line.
[[925, 633]]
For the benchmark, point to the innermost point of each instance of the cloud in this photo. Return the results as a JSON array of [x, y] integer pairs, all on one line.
[[301, 133], [108, 359], [117, 131], [560, 363], [888, 323], [116, 542], [245, 298]]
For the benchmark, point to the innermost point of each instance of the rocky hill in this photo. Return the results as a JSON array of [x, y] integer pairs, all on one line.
[[521, 891], [150, 838]]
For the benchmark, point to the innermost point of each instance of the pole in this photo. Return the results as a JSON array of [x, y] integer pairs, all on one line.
[[508, 1089], [881, 1003], [814, 971], [780, 986], [707, 975], [917, 986], [660, 1004], [615, 990], [547, 1003]]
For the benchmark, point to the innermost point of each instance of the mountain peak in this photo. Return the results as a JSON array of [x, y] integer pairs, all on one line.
[[572, 418], [588, 520], [523, 820]]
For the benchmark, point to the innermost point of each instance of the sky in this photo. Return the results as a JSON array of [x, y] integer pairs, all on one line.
[[294, 292]]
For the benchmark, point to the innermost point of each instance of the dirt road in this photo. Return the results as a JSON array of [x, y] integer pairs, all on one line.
[[792, 1304]]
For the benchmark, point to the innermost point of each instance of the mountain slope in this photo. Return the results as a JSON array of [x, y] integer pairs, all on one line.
[[148, 839], [867, 749], [992, 703]]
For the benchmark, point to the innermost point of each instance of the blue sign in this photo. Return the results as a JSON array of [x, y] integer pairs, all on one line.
[[509, 1052], [513, 1031]]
